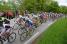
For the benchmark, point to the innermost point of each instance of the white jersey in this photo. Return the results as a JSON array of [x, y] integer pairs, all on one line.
[[26, 18], [6, 25], [2, 30], [35, 16]]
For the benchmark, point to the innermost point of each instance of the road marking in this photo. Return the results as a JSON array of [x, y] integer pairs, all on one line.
[[32, 38]]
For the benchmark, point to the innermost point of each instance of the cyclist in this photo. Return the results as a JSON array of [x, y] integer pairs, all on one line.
[[5, 31], [46, 17], [18, 20], [41, 16], [9, 14], [21, 21], [35, 20], [28, 22]]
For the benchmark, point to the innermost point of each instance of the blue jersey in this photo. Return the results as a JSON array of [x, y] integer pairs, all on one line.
[[29, 22]]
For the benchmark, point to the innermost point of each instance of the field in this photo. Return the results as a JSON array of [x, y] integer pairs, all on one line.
[[55, 34]]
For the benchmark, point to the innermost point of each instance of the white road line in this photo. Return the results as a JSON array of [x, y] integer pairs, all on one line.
[[32, 38]]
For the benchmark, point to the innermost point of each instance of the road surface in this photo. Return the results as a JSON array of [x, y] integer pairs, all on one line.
[[37, 32]]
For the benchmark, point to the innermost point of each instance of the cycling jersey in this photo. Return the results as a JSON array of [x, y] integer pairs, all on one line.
[[2, 30], [29, 22], [6, 27], [35, 16], [41, 16]]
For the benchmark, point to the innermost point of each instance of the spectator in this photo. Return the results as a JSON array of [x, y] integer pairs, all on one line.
[[9, 14]]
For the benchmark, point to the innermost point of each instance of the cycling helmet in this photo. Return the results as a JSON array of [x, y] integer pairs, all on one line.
[[6, 21], [20, 16]]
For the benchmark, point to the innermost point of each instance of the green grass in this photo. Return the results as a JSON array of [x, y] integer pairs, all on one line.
[[55, 34]]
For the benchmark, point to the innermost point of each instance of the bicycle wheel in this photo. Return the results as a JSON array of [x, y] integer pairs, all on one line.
[[41, 20], [23, 33], [30, 32], [23, 36], [15, 27], [1, 42], [21, 30], [12, 37], [33, 28]]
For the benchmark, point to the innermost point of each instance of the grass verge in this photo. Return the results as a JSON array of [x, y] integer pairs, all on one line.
[[55, 34]]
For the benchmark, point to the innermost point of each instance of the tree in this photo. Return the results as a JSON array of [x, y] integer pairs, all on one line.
[[53, 7], [34, 5], [4, 7], [63, 9]]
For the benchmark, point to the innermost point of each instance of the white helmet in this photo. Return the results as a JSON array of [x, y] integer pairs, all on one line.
[[35, 16], [20, 16]]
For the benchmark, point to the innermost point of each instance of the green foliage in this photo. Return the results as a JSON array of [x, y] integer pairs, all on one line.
[[52, 7], [63, 9], [42, 5], [34, 5], [4, 7]]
